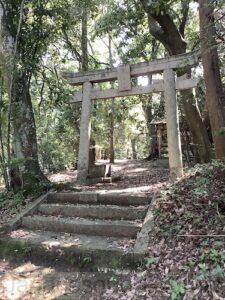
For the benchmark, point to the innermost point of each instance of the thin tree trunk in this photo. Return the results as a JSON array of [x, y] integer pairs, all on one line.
[[134, 150], [112, 113], [3, 163], [215, 95], [147, 107], [112, 122], [2, 156], [84, 39], [85, 67]]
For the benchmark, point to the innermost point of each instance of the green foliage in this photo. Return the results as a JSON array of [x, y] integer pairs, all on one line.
[[208, 171], [85, 261], [57, 141], [211, 263], [201, 186], [176, 290], [41, 24], [218, 272], [215, 255], [11, 201], [150, 260], [50, 42]]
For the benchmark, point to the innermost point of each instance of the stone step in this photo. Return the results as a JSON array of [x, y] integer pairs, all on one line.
[[70, 249], [94, 211], [127, 229], [122, 199]]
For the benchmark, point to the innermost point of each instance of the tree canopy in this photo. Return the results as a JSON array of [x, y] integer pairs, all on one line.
[[41, 39]]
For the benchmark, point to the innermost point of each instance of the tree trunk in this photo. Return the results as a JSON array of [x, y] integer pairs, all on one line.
[[147, 108], [84, 39], [112, 122], [195, 122], [133, 146], [151, 131], [25, 170], [3, 161], [215, 95], [112, 113], [196, 125], [85, 67], [163, 28]]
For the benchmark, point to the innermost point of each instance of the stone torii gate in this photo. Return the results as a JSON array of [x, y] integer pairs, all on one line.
[[123, 74]]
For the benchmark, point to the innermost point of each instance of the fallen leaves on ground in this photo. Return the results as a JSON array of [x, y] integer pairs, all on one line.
[[186, 257]]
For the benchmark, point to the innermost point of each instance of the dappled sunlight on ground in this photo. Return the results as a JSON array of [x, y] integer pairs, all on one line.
[[28, 281], [129, 190], [136, 176], [64, 176], [131, 176]]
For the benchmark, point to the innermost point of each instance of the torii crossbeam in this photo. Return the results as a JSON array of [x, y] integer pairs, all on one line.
[[123, 74]]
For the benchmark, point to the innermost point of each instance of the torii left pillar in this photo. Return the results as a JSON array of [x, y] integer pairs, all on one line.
[[85, 134]]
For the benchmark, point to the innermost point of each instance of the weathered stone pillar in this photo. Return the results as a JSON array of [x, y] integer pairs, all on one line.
[[173, 130], [85, 133]]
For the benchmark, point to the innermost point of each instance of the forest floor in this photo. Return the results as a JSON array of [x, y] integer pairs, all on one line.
[[186, 257], [130, 175]]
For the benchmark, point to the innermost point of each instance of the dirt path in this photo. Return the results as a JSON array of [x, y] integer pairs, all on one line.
[[135, 175], [29, 281]]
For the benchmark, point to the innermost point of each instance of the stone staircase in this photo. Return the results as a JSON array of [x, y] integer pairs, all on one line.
[[87, 228]]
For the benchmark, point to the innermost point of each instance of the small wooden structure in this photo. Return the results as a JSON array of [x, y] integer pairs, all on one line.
[[123, 74], [161, 136]]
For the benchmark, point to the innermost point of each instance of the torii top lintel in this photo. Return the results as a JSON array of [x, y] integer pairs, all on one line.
[[134, 70]]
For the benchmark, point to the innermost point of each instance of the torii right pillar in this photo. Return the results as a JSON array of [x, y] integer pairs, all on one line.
[[173, 128]]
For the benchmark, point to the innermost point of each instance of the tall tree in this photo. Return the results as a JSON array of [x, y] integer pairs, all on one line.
[[112, 112], [165, 30], [84, 37], [30, 30], [215, 95], [24, 167]]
